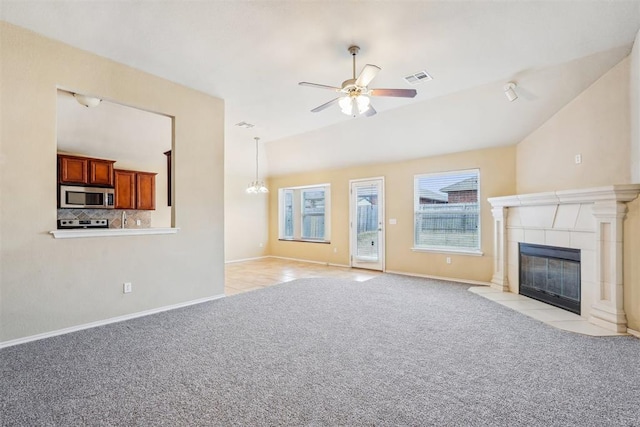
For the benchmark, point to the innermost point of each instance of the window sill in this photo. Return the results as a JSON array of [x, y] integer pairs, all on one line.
[[326, 242], [109, 232], [470, 252]]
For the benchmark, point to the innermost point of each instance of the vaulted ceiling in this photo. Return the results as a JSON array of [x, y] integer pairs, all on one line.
[[252, 54]]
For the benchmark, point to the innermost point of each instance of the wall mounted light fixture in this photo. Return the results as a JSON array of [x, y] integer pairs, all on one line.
[[509, 91], [86, 100]]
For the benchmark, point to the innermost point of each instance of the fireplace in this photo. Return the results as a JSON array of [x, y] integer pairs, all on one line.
[[588, 220], [551, 274]]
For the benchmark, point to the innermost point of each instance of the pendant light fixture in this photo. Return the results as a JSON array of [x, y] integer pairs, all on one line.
[[257, 186]]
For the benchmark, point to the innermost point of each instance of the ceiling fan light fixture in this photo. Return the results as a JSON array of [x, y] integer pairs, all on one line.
[[346, 105], [363, 102], [355, 91]]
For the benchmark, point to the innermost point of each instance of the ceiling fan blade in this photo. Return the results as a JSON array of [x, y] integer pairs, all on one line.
[[367, 74], [402, 93], [370, 111], [325, 105], [319, 86]]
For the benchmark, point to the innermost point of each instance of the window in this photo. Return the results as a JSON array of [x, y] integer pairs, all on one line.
[[304, 213], [447, 211], [287, 232]]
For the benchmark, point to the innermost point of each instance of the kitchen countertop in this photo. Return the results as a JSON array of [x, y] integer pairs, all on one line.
[[109, 232]]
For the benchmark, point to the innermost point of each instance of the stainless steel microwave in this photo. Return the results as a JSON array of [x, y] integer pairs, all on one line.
[[86, 197]]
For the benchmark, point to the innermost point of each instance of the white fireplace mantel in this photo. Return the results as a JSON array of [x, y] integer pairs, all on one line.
[[588, 219]]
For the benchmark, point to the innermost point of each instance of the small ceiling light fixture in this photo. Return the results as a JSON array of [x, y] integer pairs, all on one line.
[[509, 91], [86, 100], [257, 186]]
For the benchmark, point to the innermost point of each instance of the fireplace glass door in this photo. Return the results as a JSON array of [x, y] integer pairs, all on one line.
[[551, 274]]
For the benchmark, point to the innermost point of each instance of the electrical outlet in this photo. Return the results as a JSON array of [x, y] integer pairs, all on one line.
[[448, 260], [578, 159], [126, 288], [335, 250], [138, 222]]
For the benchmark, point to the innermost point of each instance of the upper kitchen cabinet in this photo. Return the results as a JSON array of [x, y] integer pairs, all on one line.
[[85, 171], [135, 190], [125, 189], [146, 190]]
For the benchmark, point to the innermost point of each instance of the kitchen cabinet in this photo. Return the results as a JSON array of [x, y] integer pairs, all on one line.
[[135, 190], [125, 189], [145, 190], [77, 170]]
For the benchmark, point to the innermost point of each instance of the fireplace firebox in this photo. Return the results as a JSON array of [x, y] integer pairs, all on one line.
[[551, 274]]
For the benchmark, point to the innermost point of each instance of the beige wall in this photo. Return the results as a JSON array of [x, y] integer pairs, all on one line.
[[497, 178], [245, 220], [245, 215], [596, 126], [634, 106], [631, 265], [48, 284], [632, 223]]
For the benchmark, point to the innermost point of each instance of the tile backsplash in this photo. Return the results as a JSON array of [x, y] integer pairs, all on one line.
[[113, 215]]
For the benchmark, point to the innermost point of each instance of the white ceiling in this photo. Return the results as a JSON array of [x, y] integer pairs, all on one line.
[[252, 54], [132, 137]]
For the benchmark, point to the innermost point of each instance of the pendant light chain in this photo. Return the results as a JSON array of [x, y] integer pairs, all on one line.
[[257, 186], [256, 138]]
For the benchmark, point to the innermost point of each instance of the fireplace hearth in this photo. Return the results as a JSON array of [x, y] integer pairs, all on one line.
[[551, 274], [589, 220]]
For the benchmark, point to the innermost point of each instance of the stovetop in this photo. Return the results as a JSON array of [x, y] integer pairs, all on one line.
[[82, 223]]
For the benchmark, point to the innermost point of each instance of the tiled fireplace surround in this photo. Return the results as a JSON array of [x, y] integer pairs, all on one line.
[[587, 219]]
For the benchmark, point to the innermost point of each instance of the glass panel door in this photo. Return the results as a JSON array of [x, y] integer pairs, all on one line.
[[367, 237]]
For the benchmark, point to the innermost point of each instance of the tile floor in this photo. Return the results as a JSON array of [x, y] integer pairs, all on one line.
[[249, 275], [546, 313]]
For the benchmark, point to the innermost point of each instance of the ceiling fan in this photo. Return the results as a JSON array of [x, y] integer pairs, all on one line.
[[354, 92]]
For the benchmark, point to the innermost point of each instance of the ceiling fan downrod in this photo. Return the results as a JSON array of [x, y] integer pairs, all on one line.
[[353, 50]]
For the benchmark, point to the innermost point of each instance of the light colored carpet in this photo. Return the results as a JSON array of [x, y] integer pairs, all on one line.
[[390, 351]]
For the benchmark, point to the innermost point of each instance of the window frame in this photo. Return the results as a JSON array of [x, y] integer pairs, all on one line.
[[477, 251], [298, 213]]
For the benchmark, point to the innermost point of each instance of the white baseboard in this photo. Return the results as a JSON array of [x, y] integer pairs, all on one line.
[[308, 261], [298, 259], [106, 321], [633, 332], [288, 259], [246, 259], [448, 279], [339, 265]]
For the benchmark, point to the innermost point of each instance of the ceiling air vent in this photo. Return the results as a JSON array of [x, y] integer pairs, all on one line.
[[420, 76], [245, 125]]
